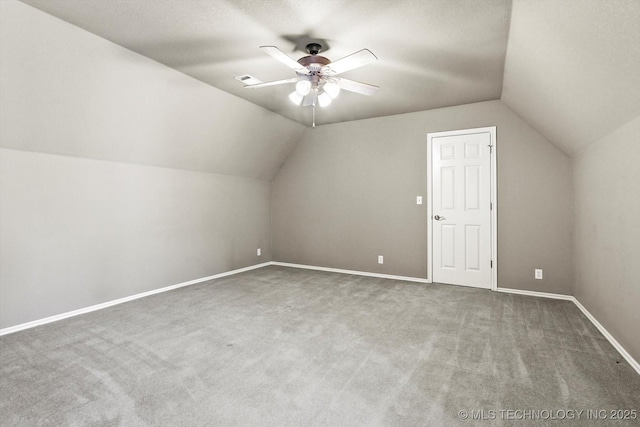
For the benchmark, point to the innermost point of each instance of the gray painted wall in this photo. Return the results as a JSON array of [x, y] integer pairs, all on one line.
[[607, 233], [152, 178], [77, 232], [347, 194]]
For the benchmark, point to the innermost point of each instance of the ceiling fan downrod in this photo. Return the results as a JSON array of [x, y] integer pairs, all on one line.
[[314, 48]]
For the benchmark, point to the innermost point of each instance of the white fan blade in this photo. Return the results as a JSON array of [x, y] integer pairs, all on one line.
[[285, 59], [355, 60], [276, 82], [357, 87]]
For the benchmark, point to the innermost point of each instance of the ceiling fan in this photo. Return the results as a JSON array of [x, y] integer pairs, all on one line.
[[317, 81]]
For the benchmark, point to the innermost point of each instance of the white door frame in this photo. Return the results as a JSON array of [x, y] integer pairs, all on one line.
[[494, 199]]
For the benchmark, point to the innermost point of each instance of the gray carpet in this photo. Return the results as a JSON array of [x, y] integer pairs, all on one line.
[[287, 347]]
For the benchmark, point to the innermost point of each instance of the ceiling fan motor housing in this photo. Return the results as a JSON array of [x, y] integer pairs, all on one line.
[[314, 63]]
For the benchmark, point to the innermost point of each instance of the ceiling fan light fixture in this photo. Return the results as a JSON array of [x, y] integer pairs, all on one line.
[[316, 82], [295, 97], [331, 89], [324, 99], [303, 87]]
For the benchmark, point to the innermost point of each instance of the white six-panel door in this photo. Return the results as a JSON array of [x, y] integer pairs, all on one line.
[[461, 196]]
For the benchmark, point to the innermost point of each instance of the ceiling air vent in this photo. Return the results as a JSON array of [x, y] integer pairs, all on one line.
[[248, 80]]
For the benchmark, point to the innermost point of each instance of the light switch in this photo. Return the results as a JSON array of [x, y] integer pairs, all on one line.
[[419, 200]]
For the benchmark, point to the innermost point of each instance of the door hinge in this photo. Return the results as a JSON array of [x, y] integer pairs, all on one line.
[[490, 206], [491, 263], [490, 148]]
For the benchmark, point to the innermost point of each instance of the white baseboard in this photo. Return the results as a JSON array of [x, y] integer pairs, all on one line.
[[89, 309], [536, 294], [634, 364], [359, 273]]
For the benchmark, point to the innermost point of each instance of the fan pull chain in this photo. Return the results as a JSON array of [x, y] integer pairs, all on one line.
[[314, 116]]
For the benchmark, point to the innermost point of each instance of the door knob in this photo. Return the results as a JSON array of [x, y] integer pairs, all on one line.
[[438, 218]]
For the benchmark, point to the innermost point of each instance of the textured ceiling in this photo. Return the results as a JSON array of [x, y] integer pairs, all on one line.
[[432, 53], [573, 67]]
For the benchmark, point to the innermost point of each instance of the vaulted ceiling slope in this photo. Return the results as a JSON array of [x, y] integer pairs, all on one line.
[[568, 67], [432, 53], [69, 92], [573, 67]]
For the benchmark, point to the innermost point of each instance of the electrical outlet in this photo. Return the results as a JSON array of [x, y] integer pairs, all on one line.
[[380, 259], [259, 252], [538, 274]]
